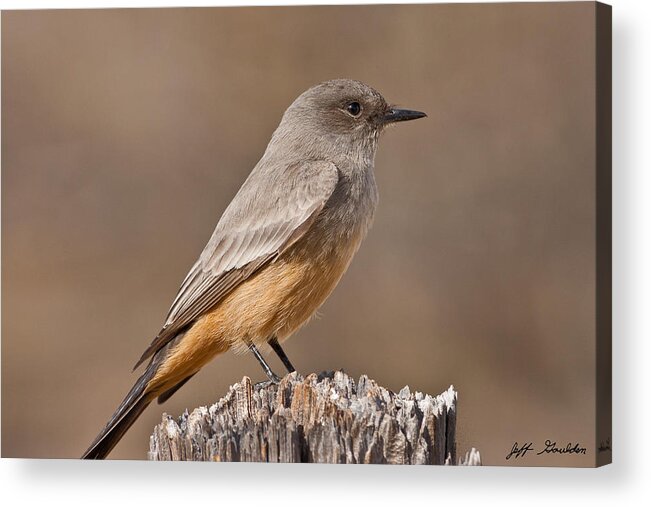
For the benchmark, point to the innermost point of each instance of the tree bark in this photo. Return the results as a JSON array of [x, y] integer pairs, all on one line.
[[325, 418]]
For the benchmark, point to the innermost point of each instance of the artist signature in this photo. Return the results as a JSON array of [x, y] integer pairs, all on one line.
[[550, 447]]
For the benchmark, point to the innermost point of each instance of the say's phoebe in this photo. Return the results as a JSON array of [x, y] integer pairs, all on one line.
[[278, 250]]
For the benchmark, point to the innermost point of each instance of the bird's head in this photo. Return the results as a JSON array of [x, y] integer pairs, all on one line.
[[341, 115]]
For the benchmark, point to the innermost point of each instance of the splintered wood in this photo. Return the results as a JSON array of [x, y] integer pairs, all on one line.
[[328, 418]]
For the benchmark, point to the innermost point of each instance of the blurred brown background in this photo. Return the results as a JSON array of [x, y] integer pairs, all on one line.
[[125, 133]]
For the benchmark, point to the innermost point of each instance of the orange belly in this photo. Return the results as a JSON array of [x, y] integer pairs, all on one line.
[[276, 301]]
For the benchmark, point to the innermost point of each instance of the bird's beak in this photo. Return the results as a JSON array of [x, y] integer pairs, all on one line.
[[394, 115]]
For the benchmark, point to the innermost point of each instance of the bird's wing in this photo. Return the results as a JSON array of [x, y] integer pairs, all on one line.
[[261, 222]]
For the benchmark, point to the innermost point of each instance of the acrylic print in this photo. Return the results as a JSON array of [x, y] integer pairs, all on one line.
[[336, 234]]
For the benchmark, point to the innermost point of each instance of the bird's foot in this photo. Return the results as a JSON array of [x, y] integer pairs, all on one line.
[[273, 381], [273, 378]]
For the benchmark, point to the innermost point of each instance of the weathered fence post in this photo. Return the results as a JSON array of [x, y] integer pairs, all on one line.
[[326, 418]]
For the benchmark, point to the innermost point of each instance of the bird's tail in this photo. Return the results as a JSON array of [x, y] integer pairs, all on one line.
[[125, 415], [133, 405]]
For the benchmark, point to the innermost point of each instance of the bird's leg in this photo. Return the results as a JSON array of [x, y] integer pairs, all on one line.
[[273, 378], [281, 354]]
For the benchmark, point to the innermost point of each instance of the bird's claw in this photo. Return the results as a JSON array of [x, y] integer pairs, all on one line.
[[273, 381]]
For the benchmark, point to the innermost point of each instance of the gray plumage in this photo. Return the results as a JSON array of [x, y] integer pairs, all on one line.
[[313, 158], [312, 196]]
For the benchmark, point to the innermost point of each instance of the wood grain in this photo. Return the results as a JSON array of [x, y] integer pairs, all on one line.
[[326, 418]]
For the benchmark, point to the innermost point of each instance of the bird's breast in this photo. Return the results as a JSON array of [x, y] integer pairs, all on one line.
[[309, 271], [350, 210], [286, 293], [297, 283]]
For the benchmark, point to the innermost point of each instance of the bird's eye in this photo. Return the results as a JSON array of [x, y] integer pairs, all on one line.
[[354, 109]]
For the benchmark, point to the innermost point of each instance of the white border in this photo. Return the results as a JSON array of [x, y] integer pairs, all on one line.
[[58, 482]]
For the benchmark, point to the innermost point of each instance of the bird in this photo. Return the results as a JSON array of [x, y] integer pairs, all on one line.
[[278, 250]]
